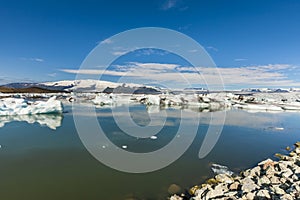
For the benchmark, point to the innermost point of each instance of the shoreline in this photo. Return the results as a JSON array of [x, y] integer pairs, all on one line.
[[269, 179]]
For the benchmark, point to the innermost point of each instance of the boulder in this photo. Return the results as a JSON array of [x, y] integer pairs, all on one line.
[[234, 186], [224, 178], [248, 185], [263, 194]]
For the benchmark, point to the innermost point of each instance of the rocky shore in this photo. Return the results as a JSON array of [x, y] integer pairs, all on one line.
[[268, 180]]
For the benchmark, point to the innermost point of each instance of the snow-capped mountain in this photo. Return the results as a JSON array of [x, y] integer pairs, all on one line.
[[87, 86], [90, 85]]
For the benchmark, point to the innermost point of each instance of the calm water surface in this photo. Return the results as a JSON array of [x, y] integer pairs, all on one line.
[[39, 162]]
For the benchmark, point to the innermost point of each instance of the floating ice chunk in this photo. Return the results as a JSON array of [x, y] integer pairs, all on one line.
[[18, 106], [104, 99], [264, 107], [124, 146], [153, 137], [152, 100], [221, 169]]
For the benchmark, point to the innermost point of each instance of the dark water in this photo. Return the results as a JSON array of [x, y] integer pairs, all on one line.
[[37, 162]]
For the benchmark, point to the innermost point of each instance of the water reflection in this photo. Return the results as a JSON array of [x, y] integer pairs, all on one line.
[[53, 121], [35, 164], [234, 117]]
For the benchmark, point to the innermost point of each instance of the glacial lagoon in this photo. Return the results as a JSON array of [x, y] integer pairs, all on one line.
[[42, 156]]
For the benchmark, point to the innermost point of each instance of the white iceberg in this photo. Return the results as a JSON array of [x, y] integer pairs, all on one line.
[[18, 106], [152, 100], [104, 99], [258, 107], [221, 169]]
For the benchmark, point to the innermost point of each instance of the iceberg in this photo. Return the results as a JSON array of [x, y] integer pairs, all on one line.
[[19, 106], [104, 99], [153, 100], [221, 169]]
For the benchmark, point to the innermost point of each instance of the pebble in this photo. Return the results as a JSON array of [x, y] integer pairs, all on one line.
[[173, 189]]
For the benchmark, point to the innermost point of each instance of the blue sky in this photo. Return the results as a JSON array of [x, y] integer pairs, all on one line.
[[253, 43]]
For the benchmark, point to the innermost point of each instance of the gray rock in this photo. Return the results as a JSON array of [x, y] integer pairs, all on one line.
[[287, 173], [287, 197], [297, 144], [294, 188], [274, 180], [264, 162], [214, 193], [230, 194], [248, 185], [263, 180], [263, 194], [246, 173], [250, 196], [283, 180], [282, 166], [175, 197], [296, 169], [255, 171], [293, 154], [202, 191], [277, 190], [295, 177], [234, 186], [270, 171], [223, 178]]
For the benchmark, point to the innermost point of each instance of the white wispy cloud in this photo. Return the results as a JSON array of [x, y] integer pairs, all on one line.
[[119, 51], [212, 48], [240, 59], [261, 75], [168, 4], [33, 59], [52, 74]]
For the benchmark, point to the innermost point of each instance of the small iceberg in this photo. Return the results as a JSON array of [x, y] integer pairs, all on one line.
[[152, 100], [104, 99], [221, 169], [19, 106]]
